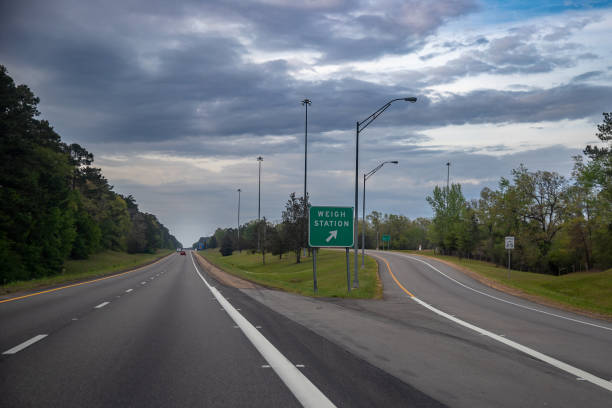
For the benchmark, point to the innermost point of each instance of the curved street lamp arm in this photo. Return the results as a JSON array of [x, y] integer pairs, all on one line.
[[371, 173], [364, 123]]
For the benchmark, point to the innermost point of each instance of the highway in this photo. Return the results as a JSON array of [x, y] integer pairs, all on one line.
[[461, 342], [168, 335]]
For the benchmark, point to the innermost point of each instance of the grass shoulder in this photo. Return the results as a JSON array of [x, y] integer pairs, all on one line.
[[100, 264], [290, 276], [589, 292]]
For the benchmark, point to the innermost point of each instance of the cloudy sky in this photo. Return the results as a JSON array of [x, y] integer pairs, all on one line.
[[176, 101]]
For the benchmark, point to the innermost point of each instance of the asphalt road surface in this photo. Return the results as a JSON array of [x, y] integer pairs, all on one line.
[[463, 343], [160, 336]]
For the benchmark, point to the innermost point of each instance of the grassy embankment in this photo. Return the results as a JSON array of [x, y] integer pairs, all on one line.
[[287, 275], [588, 291], [103, 263]]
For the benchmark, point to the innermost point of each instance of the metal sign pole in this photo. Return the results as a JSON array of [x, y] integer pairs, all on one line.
[[348, 272], [509, 264], [314, 269]]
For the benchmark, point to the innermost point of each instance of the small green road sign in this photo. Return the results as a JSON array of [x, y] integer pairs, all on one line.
[[330, 227], [386, 238]]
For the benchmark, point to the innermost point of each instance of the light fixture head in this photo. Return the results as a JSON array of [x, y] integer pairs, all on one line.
[[411, 99], [260, 158], [394, 162]]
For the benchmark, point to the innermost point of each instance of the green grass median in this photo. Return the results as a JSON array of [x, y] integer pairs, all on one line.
[[102, 263], [587, 291], [287, 275]]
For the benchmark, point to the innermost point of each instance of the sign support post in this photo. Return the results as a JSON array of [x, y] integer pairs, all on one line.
[[509, 244], [509, 256], [314, 270], [330, 227], [348, 272]]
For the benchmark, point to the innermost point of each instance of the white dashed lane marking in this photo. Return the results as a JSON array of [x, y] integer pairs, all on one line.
[[25, 344], [101, 305]]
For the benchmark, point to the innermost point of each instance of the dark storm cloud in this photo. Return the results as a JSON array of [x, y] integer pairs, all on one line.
[[346, 30], [587, 75], [571, 101], [116, 80]]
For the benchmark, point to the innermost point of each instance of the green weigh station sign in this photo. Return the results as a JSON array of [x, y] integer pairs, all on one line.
[[330, 227]]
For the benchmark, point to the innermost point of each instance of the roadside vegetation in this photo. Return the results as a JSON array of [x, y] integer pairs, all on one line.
[[559, 225], [589, 291], [97, 265], [54, 205], [284, 273]]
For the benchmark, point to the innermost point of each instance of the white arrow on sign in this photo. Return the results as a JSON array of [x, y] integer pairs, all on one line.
[[332, 234]]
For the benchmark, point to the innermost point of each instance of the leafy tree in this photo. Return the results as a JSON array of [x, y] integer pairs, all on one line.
[[227, 246], [294, 217], [53, 204], [276, 240], [212, 242], [447, 205]]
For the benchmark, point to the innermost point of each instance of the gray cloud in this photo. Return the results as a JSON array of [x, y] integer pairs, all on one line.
[[134, 78], [587, 75]]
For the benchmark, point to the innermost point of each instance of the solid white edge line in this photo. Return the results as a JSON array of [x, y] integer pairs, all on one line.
[[25, 344], [101, 305], [529, 351], [503, 300], [301, 387]]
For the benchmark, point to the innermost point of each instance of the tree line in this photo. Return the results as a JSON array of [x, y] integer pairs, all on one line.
[[54, 205], [559, 225], [289, 235]]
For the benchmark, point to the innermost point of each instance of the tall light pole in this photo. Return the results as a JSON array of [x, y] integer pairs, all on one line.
[[259, 160], [239, 250], [305, 103], [447, 176], [359, 128], [363, 228]]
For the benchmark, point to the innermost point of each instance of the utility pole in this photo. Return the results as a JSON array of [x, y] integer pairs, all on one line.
[[259, 160], [447, 176], [239, 250], [305, 103]]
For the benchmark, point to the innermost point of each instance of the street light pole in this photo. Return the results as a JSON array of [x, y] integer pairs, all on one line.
[[359, 128], [259, 160], [305, 103], [363, 227], [239, 250]]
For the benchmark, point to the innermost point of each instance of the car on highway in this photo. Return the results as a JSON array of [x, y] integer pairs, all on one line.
[[183, 253]]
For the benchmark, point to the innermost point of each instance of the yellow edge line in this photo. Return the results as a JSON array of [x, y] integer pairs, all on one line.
[[393, 276], [80, 283]]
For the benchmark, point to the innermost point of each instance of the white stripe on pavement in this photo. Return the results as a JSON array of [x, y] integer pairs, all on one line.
[[301, 387], [503, 300], [529, 351], [25, 344], [101, 305], [129, 290]]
